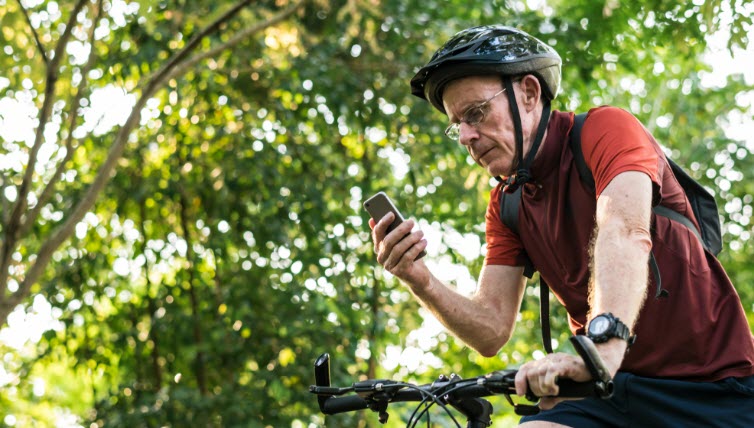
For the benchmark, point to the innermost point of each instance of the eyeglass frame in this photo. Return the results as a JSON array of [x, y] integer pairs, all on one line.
[[453, 131]]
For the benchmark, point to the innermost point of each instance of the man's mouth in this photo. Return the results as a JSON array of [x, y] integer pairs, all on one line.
[[483, 154]]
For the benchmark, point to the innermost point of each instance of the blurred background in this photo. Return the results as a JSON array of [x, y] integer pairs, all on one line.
[[181, 186]]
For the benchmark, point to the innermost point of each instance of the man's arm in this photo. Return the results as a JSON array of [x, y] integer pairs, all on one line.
[[483, 321], [620, 255], [619, 274]]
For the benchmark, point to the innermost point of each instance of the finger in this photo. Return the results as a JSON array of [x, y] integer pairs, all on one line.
[[414, 252], [521, 381], [405, 249], [380, 228], [541, 377], [378, 235], [537, 382], [549, 382], [396, 235]]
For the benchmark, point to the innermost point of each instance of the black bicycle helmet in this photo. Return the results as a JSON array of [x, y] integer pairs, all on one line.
[[489, 49]]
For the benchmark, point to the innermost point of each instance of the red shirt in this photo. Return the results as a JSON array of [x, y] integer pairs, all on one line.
[[699, 332]]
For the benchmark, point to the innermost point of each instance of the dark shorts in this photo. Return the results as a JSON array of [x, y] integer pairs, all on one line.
[[646, 402]]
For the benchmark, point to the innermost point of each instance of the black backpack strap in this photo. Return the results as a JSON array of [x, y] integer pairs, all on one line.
[[544, 314], [509, 205], [680, 218], [574, 141], [704, 207], [658, 279]]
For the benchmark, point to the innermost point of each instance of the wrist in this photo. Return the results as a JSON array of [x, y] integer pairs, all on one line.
[[423, 286], [612, 353], [612, 339]]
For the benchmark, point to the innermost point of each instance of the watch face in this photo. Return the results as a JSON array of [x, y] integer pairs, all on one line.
[[599, 326]]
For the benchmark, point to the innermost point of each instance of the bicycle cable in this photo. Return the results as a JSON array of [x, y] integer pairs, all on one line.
[[444, 390], [434, 399]]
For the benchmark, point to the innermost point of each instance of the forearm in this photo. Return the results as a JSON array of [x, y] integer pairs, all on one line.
[[485, 320], [465, 317], [620, 271]]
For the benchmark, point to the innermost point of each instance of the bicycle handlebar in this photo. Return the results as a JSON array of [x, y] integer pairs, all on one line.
[[463, 394]]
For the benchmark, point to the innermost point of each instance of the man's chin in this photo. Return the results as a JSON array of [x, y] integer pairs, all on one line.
[[498, 171]]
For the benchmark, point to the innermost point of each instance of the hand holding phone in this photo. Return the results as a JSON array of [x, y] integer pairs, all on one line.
[[378, 206]]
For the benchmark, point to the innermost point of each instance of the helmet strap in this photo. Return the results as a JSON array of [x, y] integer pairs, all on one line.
[[516, 122], [521, 166]]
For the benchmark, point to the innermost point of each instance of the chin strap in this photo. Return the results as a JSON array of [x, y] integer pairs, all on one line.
[[521, 166]]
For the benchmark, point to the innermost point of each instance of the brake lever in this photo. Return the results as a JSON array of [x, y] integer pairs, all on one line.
[[603, 382]]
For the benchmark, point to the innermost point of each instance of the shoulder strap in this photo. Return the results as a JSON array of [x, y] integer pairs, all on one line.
[[544, 314], [704, 207], [509, 206], [574, 141], [509, 203]]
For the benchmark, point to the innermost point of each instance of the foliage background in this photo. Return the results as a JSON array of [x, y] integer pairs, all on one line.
[[228, 248]]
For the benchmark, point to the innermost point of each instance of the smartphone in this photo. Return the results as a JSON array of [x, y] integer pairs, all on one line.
[[379, 205]]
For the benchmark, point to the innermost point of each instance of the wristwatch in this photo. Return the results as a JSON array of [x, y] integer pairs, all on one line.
[[605, 326]]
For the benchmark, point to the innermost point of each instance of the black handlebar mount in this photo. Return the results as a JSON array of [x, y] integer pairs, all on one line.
[[462, 394]]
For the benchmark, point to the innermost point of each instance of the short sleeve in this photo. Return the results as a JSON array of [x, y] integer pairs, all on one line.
[[614, 141]]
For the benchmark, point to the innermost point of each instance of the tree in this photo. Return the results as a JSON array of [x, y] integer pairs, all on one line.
[[229, 249]]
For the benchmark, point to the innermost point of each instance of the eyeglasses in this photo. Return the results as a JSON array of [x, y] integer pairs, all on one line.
[[473, 116]]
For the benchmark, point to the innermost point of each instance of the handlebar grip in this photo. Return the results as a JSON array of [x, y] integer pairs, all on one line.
[[333, 405], [572, 389], [568, 388]]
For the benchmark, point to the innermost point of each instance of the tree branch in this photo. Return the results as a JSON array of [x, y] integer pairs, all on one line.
[[34, 32], [49, 189], [200, 369], [15, 222], [236, 39], [159, 77], [44, 117], [151, 304], [4, 202]]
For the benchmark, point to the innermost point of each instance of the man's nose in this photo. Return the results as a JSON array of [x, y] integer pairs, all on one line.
[[467, 133]]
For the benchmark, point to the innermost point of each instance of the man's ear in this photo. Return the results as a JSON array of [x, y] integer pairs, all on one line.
[[531, 90]]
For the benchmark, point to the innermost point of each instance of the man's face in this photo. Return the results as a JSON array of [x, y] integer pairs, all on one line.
[[491, 142]]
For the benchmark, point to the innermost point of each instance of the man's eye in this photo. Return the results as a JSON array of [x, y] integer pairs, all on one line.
[[474, 115]]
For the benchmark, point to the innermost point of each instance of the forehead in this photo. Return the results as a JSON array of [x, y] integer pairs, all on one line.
[[461, 92]]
